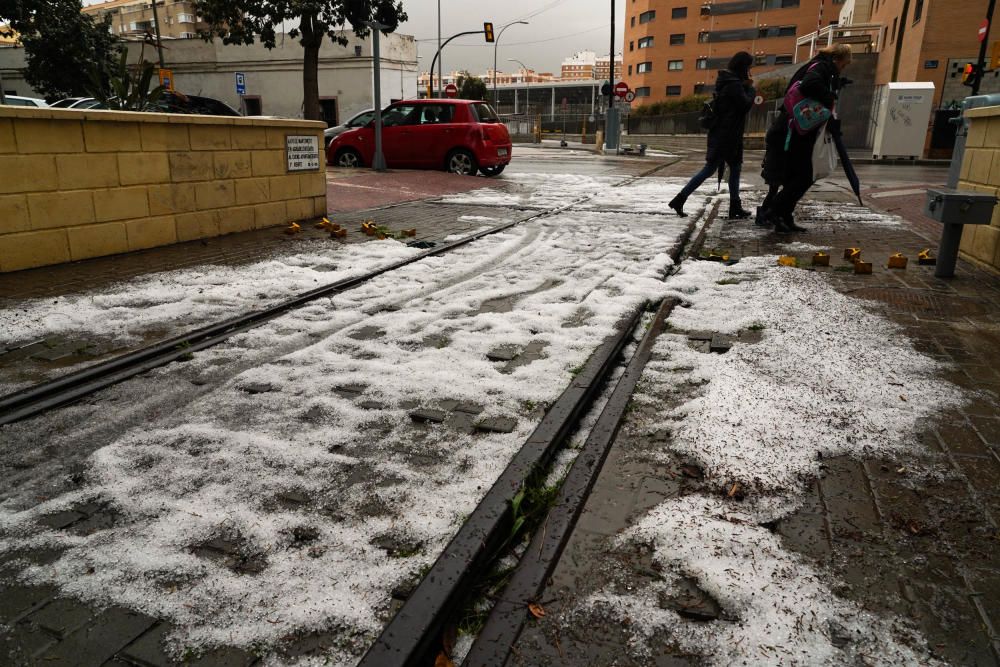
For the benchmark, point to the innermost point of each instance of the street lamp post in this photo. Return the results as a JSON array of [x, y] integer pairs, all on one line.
[[440, 66], [527, 84], [496, 102], [378, 160]]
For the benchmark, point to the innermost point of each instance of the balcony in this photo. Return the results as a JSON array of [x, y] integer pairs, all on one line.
[[862, 37]]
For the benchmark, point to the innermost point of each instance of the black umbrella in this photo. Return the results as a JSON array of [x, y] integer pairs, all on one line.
[[845, 161]]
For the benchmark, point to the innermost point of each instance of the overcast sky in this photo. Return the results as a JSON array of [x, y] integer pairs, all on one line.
[[557, 29]]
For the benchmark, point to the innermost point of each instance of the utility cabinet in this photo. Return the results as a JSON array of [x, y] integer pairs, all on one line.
[[901, 116]]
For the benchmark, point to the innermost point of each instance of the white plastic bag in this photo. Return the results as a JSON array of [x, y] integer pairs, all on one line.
[[824, 157]]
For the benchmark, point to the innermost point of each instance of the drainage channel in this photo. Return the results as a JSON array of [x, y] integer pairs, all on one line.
[[415, 635], [72, 387]]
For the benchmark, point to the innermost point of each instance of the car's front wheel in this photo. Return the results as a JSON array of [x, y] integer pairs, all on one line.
[[462, 162], [493, 171], [348, 157]]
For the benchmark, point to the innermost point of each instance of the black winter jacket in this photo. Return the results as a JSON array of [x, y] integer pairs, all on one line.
[[734, 99]]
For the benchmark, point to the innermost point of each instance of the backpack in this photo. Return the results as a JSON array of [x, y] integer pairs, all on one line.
[[709, 113]]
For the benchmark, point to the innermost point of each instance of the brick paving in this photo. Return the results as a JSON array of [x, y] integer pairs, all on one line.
[[916, 538]]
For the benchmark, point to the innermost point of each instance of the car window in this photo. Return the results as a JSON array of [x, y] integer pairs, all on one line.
[[361, 120], [436, 113], [485, 113], [401, 114], [64, 103], [19, 103]]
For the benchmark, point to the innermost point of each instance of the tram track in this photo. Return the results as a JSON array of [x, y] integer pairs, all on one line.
[[415, 635]]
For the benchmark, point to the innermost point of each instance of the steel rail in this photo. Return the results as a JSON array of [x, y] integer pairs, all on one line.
[[73, 386]]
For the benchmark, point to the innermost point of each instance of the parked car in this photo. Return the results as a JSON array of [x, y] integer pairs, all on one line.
[[360, 120], [174, 102], [460, 136], [18, 101], [77, 103]]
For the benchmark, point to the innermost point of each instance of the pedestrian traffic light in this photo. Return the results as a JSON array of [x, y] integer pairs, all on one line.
[[969, 75], [488, 31]]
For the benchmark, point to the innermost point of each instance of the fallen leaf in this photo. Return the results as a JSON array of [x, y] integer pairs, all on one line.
[[692, 471], [536, 610], [443, 661], [902, 398], [735, 490]]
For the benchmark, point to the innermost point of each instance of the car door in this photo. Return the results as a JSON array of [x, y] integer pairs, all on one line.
[[398, 122], [428, 138]]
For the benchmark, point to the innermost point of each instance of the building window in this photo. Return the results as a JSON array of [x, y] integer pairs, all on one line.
[[784, 60], [630, 70], [918, 11], [633, 21], [673, 91], [679, 13], [702, 37], [631, 46], [701, 63], [760, 59], [893, 38], [645, 42], [642, 68], [642, 91], [778, 4], [930, 64], [777, 31], [677, 39], [646, 17], [702, 89], [185, 18], [675, 65]]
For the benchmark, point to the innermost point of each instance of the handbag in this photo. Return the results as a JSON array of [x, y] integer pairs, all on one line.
[[824, 155], [805, 114]]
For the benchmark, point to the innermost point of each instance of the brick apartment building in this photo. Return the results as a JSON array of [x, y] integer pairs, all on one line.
[[134, 18], [587, 66], [925, 40], [675, 48]]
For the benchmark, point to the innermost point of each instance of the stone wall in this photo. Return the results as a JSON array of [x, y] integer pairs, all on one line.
[[81, 184], [981, 173]]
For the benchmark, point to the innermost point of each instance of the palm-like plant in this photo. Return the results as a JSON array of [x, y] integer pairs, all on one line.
[[127, 87]]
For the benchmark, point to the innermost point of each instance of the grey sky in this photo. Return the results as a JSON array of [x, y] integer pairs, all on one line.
[[557, 29]]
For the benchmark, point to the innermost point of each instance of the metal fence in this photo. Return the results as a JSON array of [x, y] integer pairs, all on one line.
[[689, 122]]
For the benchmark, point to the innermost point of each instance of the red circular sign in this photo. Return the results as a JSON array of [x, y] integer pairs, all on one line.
[[983, 29], [451, 90], [621, 89]]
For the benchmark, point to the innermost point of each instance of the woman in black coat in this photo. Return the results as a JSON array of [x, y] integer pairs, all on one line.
[[790, 167], [734, 96]]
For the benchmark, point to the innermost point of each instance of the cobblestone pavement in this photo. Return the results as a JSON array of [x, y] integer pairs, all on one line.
[[915, 537]]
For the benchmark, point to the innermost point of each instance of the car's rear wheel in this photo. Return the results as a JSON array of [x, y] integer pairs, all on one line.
[[348, 157], [493, 171], [462, 162]]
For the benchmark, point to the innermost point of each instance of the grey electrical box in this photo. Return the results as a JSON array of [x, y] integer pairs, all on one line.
[[960, 207]]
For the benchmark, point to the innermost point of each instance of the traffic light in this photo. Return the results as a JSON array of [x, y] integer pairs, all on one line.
[[488, 31], [969, 75]]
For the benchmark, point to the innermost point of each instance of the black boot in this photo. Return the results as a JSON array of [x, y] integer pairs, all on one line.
[[762, 219], [738, 212], [790, 224], [678, 205]]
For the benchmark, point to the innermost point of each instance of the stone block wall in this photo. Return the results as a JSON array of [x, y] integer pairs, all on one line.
[[981, 173], [81, 184]]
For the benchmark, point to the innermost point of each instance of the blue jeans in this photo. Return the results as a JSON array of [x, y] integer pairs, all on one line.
[[710, 169]]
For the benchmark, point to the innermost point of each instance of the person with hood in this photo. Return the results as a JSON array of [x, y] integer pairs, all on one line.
[[787, 167], [734, 95]]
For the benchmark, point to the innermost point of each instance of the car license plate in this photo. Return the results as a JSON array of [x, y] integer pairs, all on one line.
[[502, 152]]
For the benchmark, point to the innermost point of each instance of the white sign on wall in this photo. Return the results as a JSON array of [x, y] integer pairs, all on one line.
[[303, 153]]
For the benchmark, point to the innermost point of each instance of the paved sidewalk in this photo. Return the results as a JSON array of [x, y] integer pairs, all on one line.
[[915, 538]]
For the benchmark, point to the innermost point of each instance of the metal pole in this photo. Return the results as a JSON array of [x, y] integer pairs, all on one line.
[[982, 47], [440, 66], [378, 161], [611, 127], [3, 96], [159, 42], [496, 44], [437, 55]]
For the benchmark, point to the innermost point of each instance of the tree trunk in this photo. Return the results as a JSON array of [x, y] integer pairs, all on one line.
[[312, 38]]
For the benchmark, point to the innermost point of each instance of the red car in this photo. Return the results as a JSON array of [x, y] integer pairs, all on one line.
[[460, 136]]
